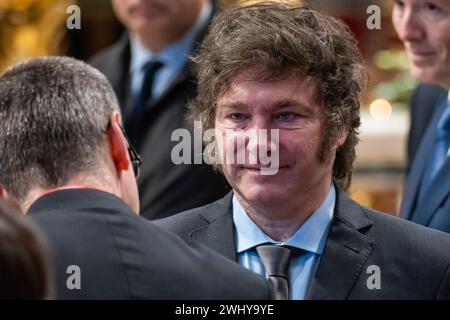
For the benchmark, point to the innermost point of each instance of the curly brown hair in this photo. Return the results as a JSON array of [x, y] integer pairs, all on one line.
[[283, 38]]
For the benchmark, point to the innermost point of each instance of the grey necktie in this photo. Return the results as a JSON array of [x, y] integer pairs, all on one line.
[[276, 262]]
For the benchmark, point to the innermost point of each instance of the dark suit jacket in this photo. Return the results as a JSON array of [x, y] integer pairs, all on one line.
[[164, 188], [123, 256], [434, 210], [413, 260]]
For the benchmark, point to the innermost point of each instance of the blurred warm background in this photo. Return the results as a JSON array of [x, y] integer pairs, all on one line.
[[30, 28]]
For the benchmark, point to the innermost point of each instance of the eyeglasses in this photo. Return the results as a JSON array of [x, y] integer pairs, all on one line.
[[136, 160]]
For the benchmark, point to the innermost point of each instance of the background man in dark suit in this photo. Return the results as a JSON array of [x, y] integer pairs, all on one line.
[[67, 163], [153, 79], [294, 70], [424, 29]]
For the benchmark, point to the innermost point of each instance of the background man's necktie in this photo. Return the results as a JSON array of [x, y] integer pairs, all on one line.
[[276, 262], [141, 100], [440, 150]]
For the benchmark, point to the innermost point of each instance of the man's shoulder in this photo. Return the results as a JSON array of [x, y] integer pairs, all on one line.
[[400, 235], [109, 57], [390, 234], [425, 89], [412, 260], [189, 220], [183, 223], [132, 250], [205, 273], [426, 97]]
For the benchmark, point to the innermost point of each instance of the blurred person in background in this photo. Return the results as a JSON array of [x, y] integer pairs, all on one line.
[[25, 271], [67, 163], [424, 28], [153, 79]]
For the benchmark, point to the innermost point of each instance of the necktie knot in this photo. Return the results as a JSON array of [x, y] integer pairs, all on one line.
[[149, 69], [151, 66], [276, 260]]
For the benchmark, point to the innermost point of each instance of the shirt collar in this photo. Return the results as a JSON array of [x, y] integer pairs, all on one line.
[[311, 236], [175, 55]]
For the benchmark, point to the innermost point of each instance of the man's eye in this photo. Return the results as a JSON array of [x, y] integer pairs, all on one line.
[[433, 12], [237, 116], [284, 116], [431, 7], [399, 4]]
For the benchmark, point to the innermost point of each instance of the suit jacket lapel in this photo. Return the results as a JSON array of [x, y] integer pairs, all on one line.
[[217, 232], [117, 67], [411, 194], [346, 251], [184, 76], [438, 189], [416, 173]]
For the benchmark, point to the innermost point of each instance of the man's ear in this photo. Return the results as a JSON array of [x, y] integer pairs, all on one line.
[[9, 199], [342, 137], [3, 193], [118, 144]]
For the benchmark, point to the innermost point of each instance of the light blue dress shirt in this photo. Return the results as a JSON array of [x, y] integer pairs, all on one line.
[[173, 57], [311, 237]]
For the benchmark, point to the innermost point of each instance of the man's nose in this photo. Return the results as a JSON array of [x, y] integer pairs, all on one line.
[[258, 136]]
